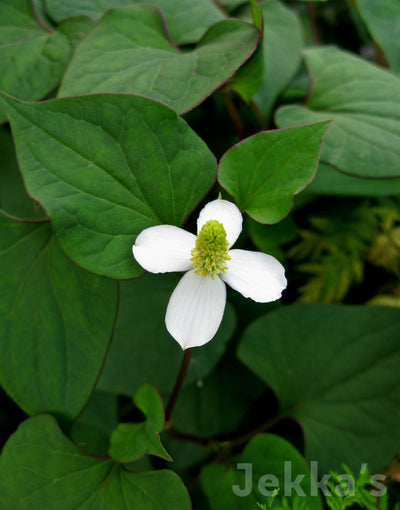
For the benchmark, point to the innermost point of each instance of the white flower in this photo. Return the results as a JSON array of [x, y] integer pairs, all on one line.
[[196, 306]]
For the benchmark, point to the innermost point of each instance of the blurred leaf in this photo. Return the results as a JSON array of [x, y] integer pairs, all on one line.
[[334, 369], [265, 171], [87, 161], [132, 440], [142, 344], [129, 51], [95, 9], [41, 468], [269, 458], [282, 41], [56, 322], [32, 59], [364, 103], [269, 238], [382, 19], [76, 28], [329, 181], [91, 432], [13, 197]]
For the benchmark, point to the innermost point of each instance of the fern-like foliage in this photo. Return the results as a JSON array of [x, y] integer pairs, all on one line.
[[334, 250]]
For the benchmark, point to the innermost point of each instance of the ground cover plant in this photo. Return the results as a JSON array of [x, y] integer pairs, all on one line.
[[200, 254]]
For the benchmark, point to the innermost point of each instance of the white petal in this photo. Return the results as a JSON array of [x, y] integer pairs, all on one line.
[[195, 309], [164, 248], [255, 275], [226, 213]]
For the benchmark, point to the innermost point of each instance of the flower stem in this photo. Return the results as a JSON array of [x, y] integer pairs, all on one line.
[[178, 385]]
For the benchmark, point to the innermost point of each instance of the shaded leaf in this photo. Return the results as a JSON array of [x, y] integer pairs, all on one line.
[[41, 468], [13, 197], [87, 160], [92, 430], [364, 103], [334, 369], [187, 20], [217, 403], [32, 59], [56, 322], [265, 171], [76, 28], [129, 51]]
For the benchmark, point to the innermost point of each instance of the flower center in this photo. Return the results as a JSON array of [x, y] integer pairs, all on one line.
[[211, 249]]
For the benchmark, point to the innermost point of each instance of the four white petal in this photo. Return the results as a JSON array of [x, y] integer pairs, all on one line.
[[196, 306]]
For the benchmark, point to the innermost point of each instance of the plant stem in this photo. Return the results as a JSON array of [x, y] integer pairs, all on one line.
[[178, 385], [233, 113], [312, 12]]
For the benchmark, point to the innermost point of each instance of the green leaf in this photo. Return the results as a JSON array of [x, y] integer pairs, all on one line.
[[334, 369], [13, 197], [56, 322], [141, 342], [382, 20], [41, 468], [95, 9], [132, 440], [265, 171], [329, 181], [32, 59], [187, 20], [92, 430], [129, 51], [105, 167], [249, 480], [282, 41], [364, 103]]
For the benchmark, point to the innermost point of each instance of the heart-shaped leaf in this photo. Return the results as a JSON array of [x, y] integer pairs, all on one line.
[[56, 322], [129, 51], [32, 59], [268, 463], [105, 167], [265, 171], [132, 361], [364, 103], [41, 468], [334, 369], [132, 440], [187, 20]]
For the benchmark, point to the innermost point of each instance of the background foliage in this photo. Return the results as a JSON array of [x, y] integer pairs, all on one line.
[[117, 115]]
